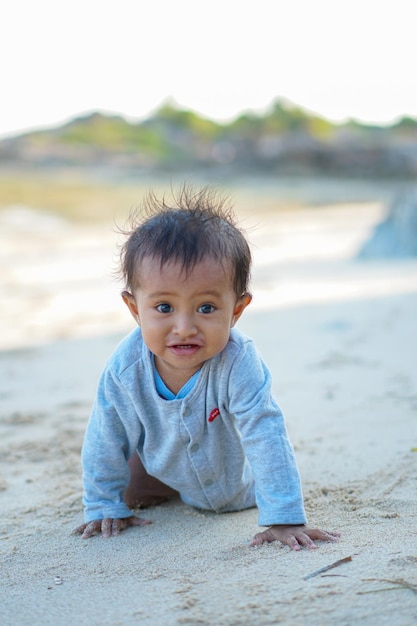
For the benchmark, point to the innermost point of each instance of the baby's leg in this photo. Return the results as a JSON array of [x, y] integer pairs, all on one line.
[[145, 490]]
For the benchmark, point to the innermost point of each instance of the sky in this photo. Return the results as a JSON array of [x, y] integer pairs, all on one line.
[[340, 59]]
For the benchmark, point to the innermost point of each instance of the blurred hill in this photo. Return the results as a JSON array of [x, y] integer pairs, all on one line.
[[285, 140]]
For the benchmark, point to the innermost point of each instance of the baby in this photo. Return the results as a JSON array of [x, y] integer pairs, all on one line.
[[184, 405]]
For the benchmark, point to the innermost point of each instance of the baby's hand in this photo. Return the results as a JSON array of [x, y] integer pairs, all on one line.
[[108, 527], [294, 536]]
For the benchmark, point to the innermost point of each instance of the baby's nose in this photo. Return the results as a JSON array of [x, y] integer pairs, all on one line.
[[185, 325]]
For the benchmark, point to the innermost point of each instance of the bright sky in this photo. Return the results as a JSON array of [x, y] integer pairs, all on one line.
[[339, 58]]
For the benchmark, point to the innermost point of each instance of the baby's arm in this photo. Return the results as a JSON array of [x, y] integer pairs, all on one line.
[[294, 536], [108, 527], [112, 434]]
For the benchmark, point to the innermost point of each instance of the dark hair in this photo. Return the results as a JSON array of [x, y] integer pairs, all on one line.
[[194, 226]]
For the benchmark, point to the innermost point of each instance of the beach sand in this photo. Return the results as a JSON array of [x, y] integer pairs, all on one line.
[[340, 338]]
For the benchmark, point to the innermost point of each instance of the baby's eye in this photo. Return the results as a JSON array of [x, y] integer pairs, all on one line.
[[164, 307], [206, 308]]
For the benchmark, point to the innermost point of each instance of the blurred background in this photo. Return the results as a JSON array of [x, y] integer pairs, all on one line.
[[304, 113]]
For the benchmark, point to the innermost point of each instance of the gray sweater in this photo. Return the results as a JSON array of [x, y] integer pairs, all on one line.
[[224, 447]]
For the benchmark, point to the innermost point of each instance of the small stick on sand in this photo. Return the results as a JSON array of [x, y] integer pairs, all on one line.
[[325, 569]]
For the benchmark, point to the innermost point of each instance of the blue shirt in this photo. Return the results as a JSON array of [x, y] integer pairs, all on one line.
[[166, 393], [223, 447]]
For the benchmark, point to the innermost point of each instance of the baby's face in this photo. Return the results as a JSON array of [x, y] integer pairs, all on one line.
[[185, 318]]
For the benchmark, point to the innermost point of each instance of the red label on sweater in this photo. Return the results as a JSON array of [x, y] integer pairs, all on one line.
[[214, 413]]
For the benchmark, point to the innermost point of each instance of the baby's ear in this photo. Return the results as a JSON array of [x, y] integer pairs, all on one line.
[[130, 302], [240, 306]]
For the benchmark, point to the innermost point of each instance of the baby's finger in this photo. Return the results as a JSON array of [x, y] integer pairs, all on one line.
[[121, 524], [93, 528], [263, 537], [304, 540], [322, 535], [107, 527]]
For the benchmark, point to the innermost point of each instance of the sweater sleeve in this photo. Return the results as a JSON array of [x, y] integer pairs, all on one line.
[[108, 444], [265, 441]]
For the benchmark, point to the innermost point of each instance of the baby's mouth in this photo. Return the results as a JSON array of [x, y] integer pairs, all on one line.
[[185, 348]]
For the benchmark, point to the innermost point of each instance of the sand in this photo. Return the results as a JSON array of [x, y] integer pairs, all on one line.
[[340, 339]]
